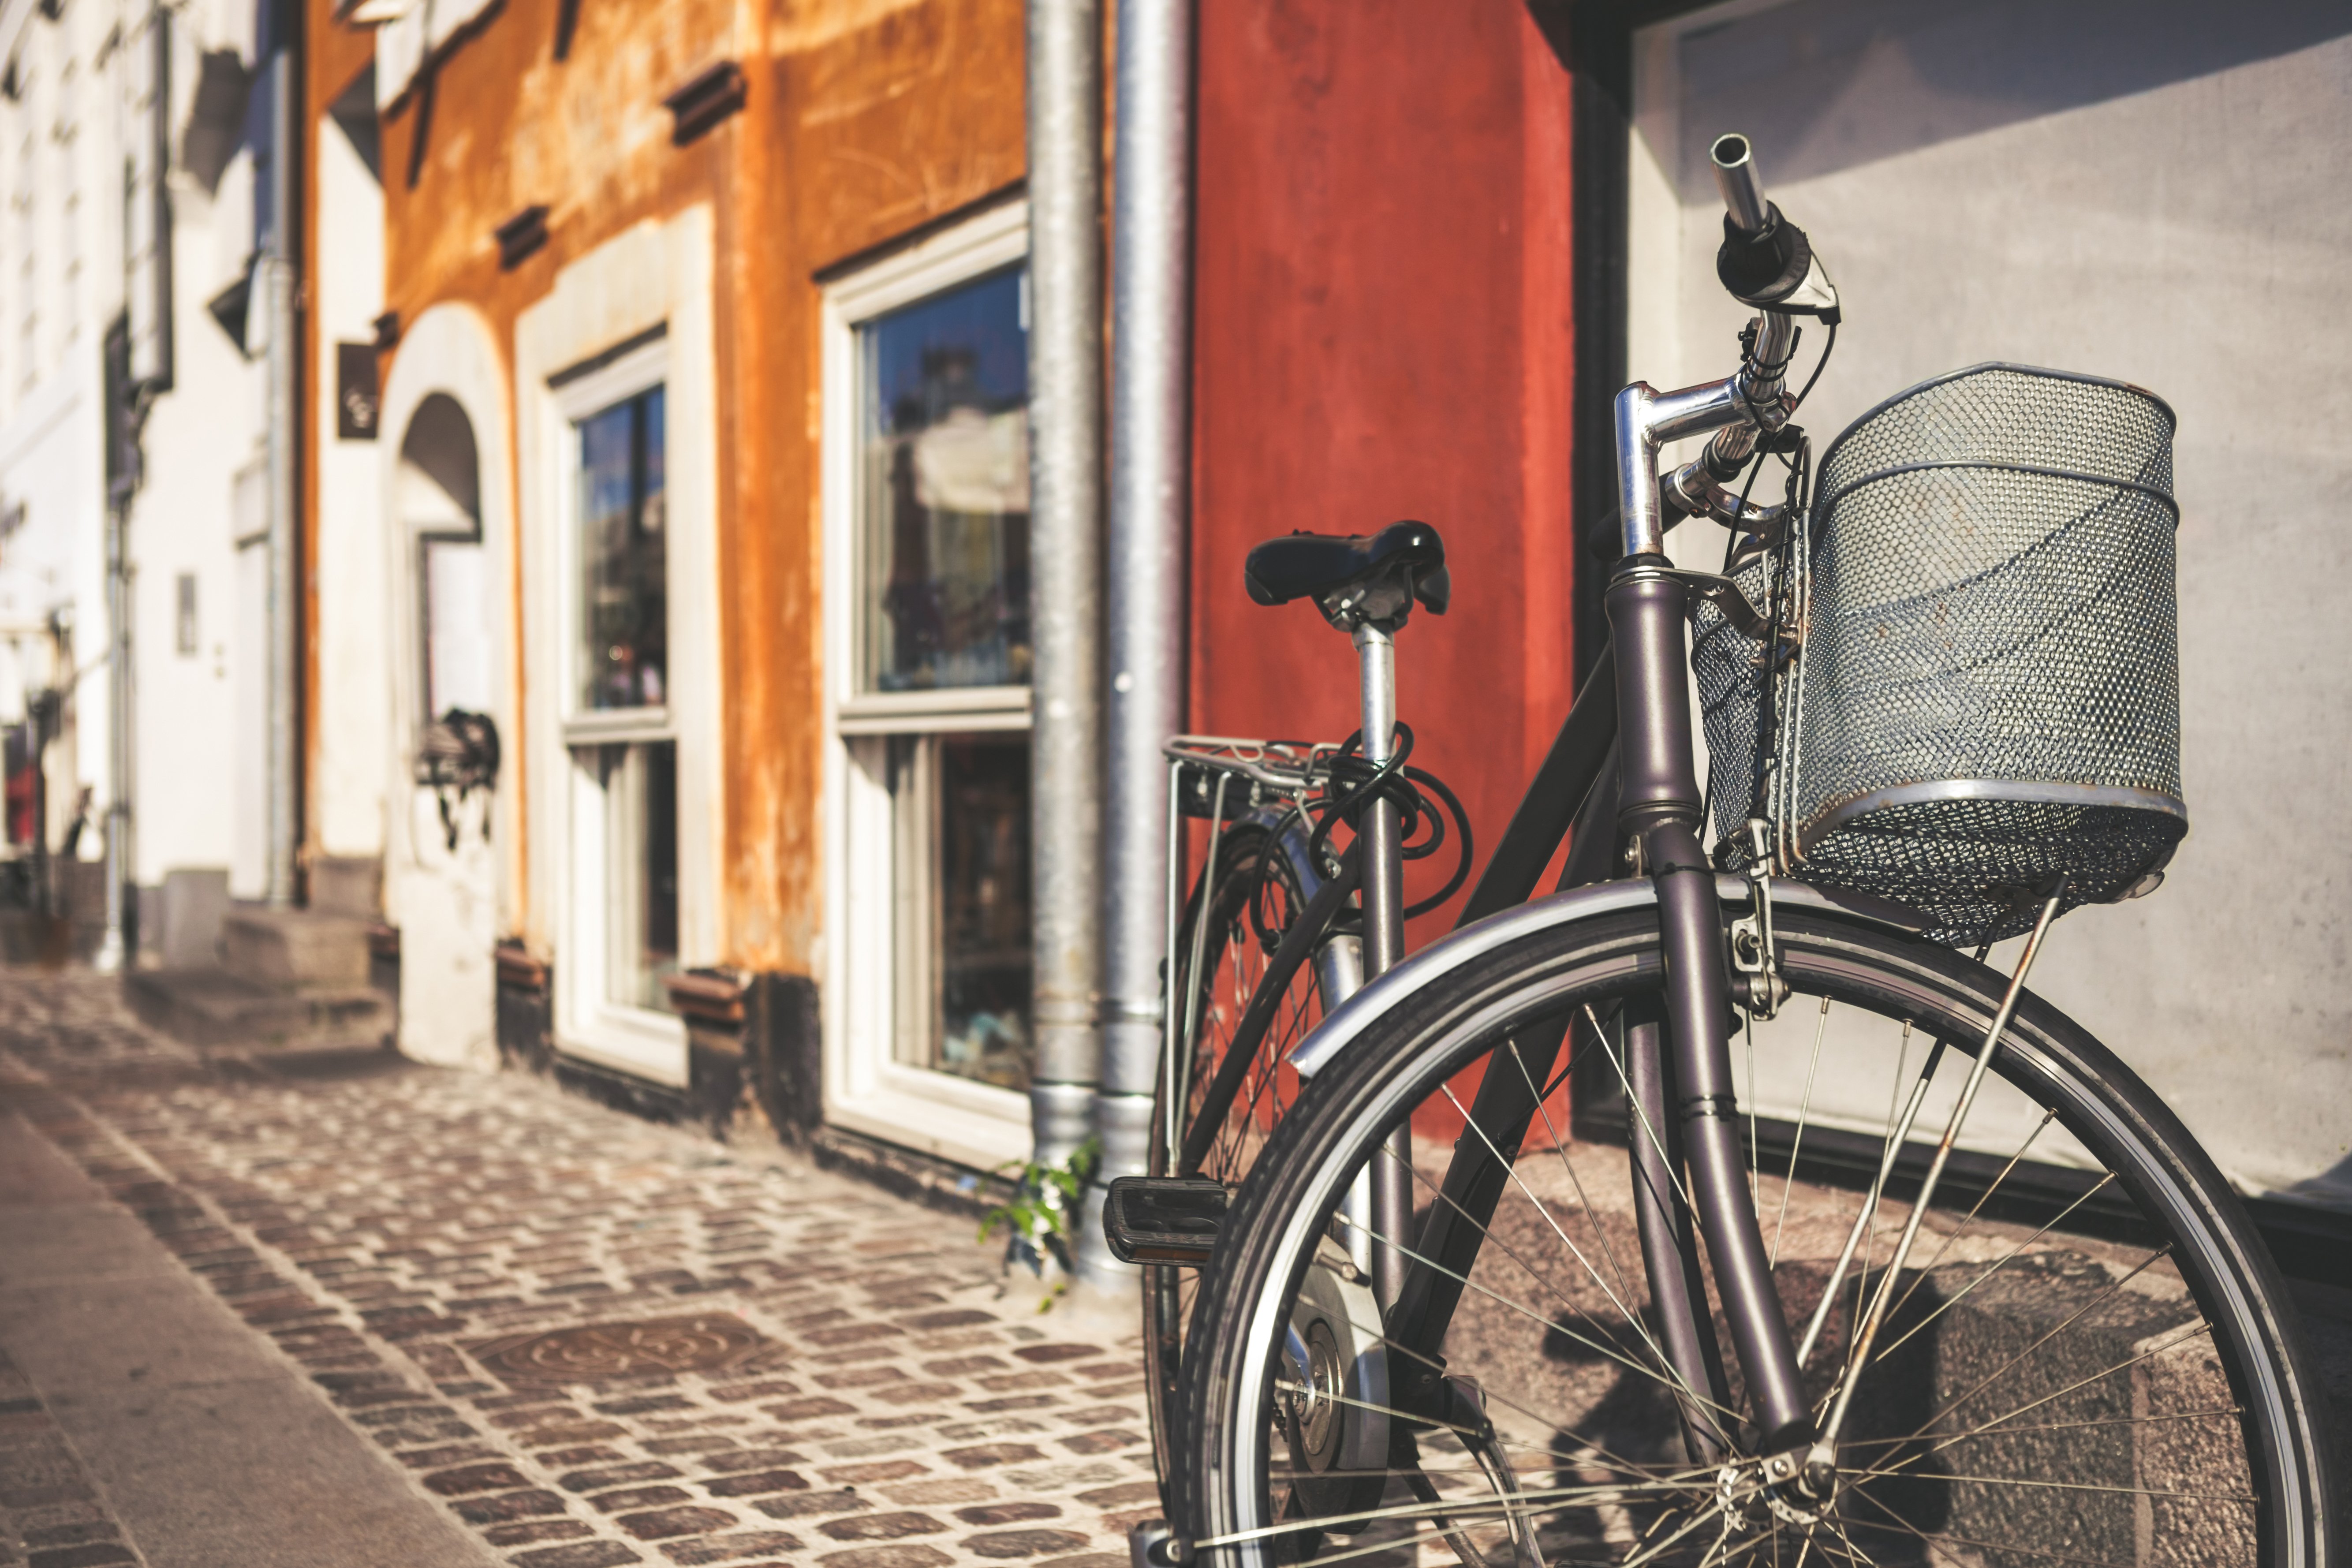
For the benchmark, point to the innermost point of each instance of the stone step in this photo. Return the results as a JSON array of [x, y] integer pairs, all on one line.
[[290, 950], [216, 1010]]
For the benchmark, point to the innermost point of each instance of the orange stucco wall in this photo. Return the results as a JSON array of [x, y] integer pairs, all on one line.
[[864, 120]]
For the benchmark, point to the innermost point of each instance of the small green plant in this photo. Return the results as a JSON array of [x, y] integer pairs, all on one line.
[[1040, 1219]]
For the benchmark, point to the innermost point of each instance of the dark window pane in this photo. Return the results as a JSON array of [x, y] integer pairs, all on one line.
[[661, 857], [945, 490], [641, 860], [983, 891], [625, 607], [963, 904]]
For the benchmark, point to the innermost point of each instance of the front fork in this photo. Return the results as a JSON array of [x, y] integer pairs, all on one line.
[[1693, 1119]]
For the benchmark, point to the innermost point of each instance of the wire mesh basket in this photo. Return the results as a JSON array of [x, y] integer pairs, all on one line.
[[1988, 692]]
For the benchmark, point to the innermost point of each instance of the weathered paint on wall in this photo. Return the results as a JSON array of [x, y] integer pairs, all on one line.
[[865, 119]]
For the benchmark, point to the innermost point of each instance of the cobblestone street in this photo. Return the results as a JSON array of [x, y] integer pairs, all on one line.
[[796, 1366]]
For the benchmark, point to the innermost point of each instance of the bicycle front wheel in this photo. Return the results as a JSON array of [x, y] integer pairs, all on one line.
[[2089, 1358]]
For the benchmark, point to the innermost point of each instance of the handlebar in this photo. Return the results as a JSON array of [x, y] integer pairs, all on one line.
[[1765, 261], [1735, 176]]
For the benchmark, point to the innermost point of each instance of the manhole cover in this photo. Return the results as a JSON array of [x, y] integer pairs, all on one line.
[[706, 1341]]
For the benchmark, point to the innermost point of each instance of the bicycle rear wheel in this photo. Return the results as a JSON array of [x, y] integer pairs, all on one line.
[[2089, 1360], [1256, 893]]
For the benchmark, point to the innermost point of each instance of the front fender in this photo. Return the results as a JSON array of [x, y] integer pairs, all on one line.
[[1560, 911]]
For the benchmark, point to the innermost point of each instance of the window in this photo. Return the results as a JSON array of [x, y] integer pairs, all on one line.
[[962, 864], [944, 491], [623, 621], [625, 568], [640, 785], [620, 726], [927, 486]]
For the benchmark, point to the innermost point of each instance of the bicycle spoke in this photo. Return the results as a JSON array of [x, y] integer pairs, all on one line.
[[1838, 1530], [1998, 1266], [2066, 1486], [1609, 1351], [1948, 1440], [2076, 1316], [1866, 1326], [1568, 1165], [1931, 1542], [1804, 1116], [2181, 1338], [1978, 1208], [1491, 1502], [1511, 1168], [1865, 1219]]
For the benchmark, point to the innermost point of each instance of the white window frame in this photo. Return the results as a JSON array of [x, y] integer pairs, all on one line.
[[574, 349], [867, 1089], [638, 1039]]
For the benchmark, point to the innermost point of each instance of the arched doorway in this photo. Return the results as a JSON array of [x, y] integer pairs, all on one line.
[[445, 688]]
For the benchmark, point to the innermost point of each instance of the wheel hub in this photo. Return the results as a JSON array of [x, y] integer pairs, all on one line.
[[1775, 1485], [1317, 1410]]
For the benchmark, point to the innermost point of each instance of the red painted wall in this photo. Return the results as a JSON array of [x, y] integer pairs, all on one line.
[[1383, 331]]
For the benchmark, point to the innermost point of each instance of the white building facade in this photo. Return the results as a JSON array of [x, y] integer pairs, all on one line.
[[132, 143]]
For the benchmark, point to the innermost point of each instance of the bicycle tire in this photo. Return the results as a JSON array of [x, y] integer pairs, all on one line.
[[1257, 883], [1906, 1499]]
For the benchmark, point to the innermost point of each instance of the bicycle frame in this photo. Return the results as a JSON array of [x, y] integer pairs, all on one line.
[[1625, 757]]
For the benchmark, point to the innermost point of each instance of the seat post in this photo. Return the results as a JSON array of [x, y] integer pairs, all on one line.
[[1383, 868], [1391, 1184]]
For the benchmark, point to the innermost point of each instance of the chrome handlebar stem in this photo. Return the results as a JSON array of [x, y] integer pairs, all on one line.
[[1737, 411]]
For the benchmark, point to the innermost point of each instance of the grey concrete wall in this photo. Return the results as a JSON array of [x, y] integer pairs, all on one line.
[[2144, 190]]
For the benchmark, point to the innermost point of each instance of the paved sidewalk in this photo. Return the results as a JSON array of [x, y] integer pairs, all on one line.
[[771, 1363]]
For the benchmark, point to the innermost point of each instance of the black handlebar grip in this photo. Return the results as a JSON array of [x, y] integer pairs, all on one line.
[[1765, 267]]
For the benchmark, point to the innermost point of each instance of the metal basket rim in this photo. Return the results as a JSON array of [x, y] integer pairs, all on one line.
[[2024, 792], [1828, 503], [2172, 419]]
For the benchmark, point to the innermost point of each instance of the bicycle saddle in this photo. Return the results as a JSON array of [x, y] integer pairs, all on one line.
[[1354, 579]]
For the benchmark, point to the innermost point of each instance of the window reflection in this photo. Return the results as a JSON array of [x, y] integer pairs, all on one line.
[[946, 491], [962, 804], [624, 610]]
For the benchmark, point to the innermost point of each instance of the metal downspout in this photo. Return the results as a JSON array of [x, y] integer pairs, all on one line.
[[1144, 576], [113, 953], [1065, 553], [121, 481], [276, 276]]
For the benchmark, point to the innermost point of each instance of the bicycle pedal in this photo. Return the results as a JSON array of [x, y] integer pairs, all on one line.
[[1164, 1219]]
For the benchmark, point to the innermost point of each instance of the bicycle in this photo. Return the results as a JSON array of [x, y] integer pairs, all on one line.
[[2036, 1327]]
